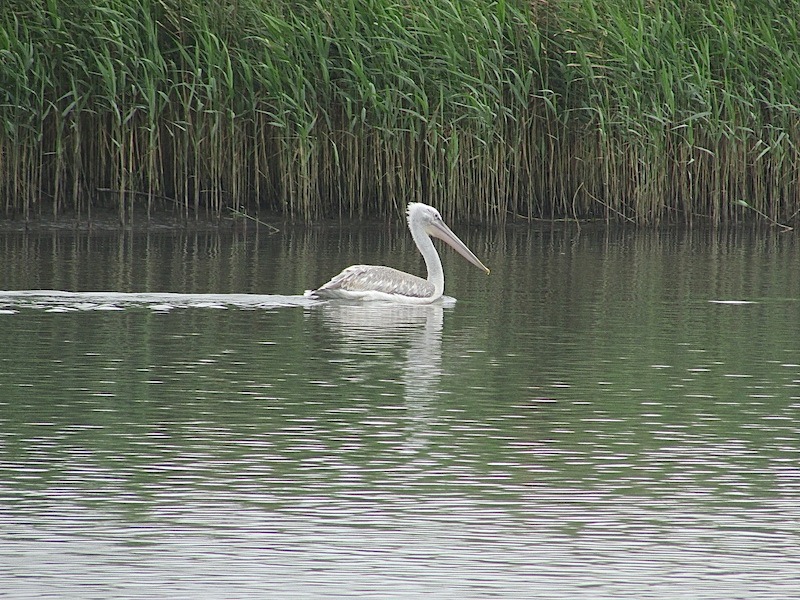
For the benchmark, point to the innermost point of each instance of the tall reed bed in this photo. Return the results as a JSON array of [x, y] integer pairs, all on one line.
[[696, 106], [642, 111]]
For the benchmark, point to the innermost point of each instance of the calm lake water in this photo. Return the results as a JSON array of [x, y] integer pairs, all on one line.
[[609, 414]]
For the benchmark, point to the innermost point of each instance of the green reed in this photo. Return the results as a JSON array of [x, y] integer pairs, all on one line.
[[644, 111]]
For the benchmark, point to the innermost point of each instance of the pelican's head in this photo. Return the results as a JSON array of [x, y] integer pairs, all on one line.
[[422, 214], [424, 218]]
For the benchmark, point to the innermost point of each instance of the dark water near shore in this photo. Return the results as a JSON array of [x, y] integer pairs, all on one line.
[[608, 415]]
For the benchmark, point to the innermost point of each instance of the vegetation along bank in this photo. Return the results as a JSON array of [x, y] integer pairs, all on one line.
[[648, 111]]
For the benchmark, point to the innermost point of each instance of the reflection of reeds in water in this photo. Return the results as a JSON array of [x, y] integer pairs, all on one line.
[[630, 111]]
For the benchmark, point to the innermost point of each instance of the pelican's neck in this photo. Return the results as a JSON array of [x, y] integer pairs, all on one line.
[[431, 256]]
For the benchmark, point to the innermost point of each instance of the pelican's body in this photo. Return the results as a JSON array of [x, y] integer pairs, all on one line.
[[368, 282]]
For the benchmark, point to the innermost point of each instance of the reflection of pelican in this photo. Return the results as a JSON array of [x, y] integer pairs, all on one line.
[[368, 329], [367, 282], [381, 347]]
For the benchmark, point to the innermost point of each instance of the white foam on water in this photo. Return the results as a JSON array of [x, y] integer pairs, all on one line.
[[61, 301]]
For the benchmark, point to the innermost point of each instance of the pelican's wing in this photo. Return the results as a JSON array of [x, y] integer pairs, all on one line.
[[369, 278]]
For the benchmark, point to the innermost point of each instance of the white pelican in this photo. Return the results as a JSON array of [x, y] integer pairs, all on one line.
[[368, 282]]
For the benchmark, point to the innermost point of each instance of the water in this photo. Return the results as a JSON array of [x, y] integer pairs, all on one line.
[[608, 415]]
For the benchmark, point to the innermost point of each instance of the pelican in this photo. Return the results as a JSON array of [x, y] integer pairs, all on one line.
[[368, 282]]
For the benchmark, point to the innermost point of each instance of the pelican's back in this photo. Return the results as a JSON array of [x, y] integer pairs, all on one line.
[[380, 279]]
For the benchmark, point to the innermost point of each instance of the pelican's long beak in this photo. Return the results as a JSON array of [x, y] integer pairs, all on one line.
[[443, 232]]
